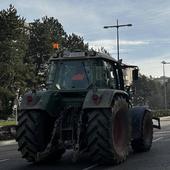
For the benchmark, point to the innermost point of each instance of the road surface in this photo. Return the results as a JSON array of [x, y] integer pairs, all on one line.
[[157, 159]]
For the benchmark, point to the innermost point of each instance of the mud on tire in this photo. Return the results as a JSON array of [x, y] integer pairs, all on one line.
[[108, 133]]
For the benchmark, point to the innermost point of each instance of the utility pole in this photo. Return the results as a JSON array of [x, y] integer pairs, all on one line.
[[164, 81], [117, 27]]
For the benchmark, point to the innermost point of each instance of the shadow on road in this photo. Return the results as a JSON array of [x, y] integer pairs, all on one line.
[[65, 164]]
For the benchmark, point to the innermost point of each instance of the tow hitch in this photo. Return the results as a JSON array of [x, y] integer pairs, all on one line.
[[157, 125]]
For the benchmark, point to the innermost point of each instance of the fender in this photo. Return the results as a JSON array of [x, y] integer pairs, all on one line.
[[41, 100], [137, 115], [102, 98]]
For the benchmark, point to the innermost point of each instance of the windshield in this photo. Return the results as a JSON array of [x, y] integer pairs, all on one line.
[[70, 74]]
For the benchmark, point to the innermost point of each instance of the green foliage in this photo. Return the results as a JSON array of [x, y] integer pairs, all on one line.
[[7, 123], [168, 93], [161, 113], [40, 42], [148, 92], [43, 33], [25, 50], [75, 42], [13, 44], [6, 101]]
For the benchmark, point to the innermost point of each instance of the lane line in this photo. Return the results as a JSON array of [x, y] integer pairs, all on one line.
[[4, 160], [155, 140], [91, 167]]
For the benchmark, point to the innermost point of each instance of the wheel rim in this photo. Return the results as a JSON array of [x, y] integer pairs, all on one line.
[[119, 133]]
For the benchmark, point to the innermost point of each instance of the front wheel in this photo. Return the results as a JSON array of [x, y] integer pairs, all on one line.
[[144, 143]]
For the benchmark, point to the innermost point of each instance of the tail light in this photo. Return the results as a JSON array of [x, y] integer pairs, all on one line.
[[29, 99], [96, 99]]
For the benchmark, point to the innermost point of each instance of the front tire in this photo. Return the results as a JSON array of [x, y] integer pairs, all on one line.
[[144, 143], [108, 133]]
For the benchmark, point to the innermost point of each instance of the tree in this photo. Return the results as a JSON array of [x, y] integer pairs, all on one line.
[[75, 42], [12, 49], [168, 93], [43, 33], [25, 50], [148, 92]]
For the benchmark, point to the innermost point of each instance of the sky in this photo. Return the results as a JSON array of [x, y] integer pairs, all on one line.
[[145, 44]]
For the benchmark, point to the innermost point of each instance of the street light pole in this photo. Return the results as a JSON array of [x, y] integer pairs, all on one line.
[[164, 81], [117, 41], [117, 27]]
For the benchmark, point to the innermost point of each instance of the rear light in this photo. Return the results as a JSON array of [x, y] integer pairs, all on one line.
[[96, 99], [29, 99]]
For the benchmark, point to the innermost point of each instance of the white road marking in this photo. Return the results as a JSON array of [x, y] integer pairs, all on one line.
[[91, 167], [155, 140], [4, 160]]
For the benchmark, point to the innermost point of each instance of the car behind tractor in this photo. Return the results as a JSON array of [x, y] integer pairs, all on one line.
[[86, 107]]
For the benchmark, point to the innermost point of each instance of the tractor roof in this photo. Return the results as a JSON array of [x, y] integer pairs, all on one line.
[[66, 55], [79, 55]]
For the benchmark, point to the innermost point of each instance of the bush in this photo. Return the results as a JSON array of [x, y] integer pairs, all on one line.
[[161, 113], [6, 102]]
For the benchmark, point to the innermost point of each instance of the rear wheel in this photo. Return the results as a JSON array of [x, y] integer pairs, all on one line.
[[144, 143], [33, 134], [108, 133]]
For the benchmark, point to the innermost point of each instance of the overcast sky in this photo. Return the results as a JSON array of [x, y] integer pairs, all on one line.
[[145, 44]]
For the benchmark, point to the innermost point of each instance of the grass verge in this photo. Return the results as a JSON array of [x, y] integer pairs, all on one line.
[[7, 123]]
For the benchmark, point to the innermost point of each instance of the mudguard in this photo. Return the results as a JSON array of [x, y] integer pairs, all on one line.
[[40, 100], [101, 98], [137, 115]]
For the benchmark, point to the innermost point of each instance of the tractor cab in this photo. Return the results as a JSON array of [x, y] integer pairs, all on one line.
[[83, 70]]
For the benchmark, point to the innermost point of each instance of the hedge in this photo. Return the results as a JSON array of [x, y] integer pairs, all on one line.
[[161, 113]]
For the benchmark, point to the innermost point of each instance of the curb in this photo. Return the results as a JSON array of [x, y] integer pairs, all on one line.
[[7, 133], [8, 142], [167, 118]]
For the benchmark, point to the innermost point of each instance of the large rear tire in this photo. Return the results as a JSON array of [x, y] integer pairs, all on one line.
[[33, 134], [144, 143], [108, 133]]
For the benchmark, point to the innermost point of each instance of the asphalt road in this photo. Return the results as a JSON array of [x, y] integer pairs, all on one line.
[[157, 159]]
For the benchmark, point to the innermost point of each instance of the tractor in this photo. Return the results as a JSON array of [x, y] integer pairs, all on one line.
[[86, 107]]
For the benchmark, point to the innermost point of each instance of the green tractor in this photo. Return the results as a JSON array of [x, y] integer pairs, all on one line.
[[85, 107]]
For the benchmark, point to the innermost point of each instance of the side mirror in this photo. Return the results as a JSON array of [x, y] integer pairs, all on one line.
[[135, 74]]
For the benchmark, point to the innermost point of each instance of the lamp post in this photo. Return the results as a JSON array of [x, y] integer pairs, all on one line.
[[164, 81], [117, 27]]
